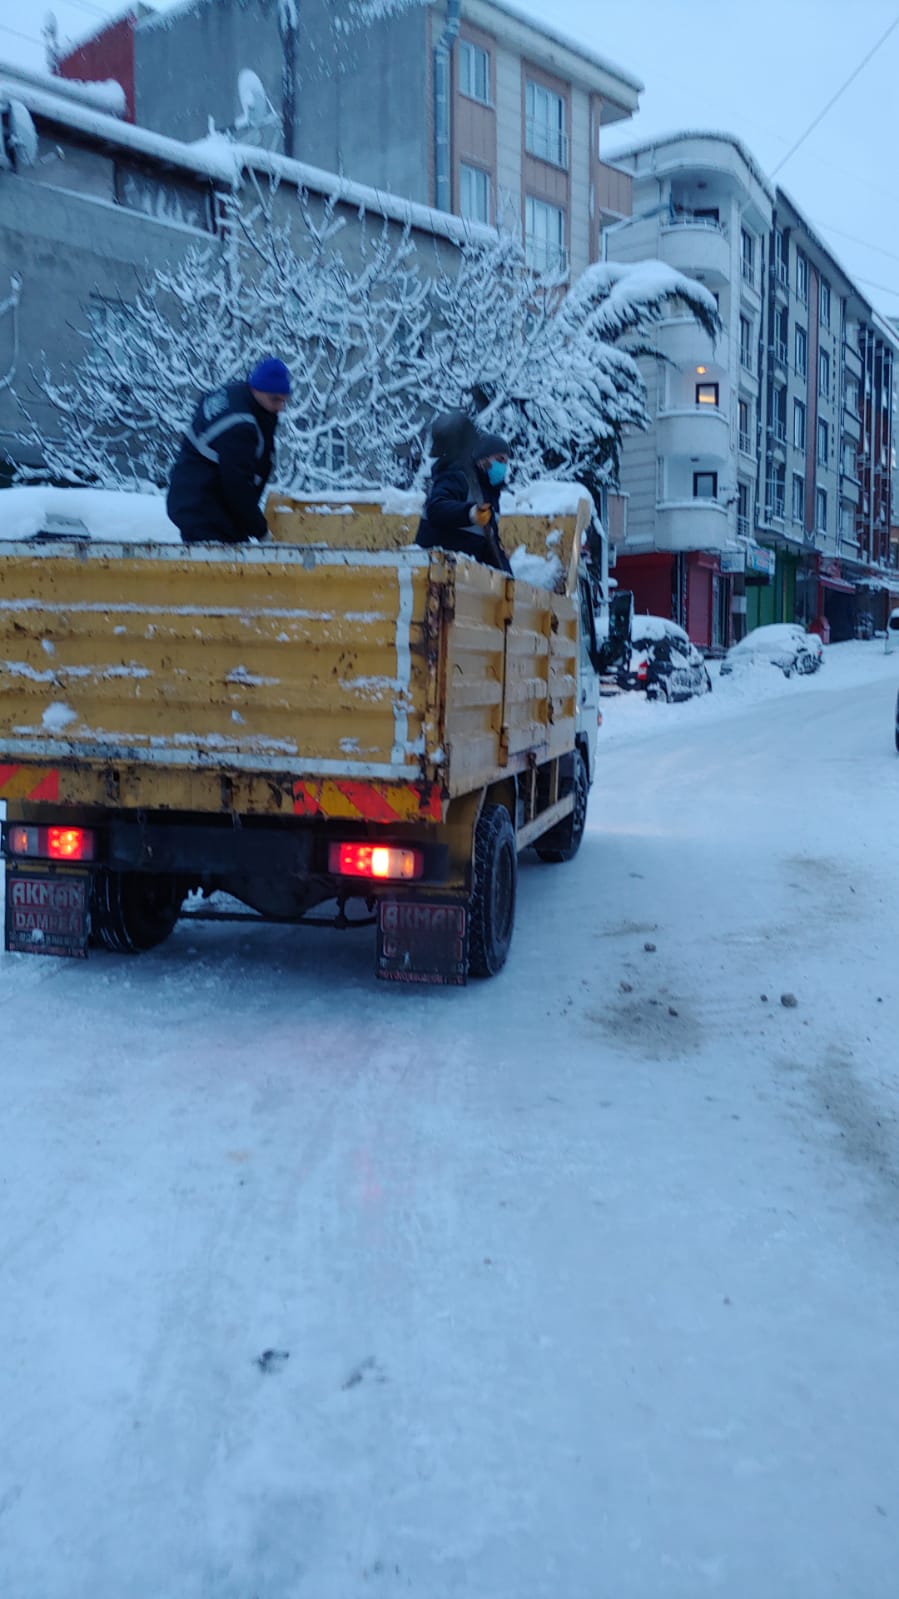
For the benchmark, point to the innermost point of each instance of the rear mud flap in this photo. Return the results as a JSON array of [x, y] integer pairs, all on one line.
[[423, 941], [47, 909]]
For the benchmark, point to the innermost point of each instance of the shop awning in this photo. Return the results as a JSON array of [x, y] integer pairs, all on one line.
[[838, 584]]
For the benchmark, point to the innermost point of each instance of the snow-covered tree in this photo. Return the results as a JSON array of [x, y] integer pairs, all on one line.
[[378, 343]]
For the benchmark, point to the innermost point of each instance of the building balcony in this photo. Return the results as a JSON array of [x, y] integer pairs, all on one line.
[[850, 425], [852, 360], [750, 290], [683, 525], [702, 430], [695, 247], [850, 489], [780, 278], [777, 440], [684, 342], [779, 357]]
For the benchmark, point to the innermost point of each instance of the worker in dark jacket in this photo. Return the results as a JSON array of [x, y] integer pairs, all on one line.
[[461, 511], [226, 459]]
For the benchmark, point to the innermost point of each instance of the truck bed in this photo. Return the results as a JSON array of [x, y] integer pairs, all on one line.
[[273, 678]]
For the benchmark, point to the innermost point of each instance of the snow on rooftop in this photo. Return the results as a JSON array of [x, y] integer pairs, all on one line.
[[376, 9], [107, 96], [216, 157], [70, 45], [621, 151]]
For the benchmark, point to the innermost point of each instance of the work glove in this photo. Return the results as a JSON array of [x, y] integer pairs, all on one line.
[[481, 514]]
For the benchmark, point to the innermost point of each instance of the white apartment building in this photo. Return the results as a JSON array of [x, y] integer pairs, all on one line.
[[700, 204]]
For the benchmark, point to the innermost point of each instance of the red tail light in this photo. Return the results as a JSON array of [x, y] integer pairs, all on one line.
[[69, 844], [382, 862], [52, 843], [642, 672]]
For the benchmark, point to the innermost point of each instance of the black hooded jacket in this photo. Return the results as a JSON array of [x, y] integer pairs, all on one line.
[[456, 487], [223, 466]]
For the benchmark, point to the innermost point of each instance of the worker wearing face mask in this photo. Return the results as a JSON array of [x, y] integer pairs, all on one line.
[[461, 511]]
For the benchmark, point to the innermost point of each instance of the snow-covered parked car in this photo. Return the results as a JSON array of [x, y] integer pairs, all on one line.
[[662, 660], [782, 644]]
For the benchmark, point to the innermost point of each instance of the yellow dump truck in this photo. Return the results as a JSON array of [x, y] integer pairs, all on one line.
[[334, 718]]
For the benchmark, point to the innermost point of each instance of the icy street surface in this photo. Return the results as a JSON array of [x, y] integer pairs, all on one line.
[[580, 1284]]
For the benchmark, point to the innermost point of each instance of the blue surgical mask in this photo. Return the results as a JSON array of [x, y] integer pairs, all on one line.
[[496, 472]]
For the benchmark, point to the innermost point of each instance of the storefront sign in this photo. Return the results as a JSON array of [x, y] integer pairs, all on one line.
[[759, 560], [733, 561]]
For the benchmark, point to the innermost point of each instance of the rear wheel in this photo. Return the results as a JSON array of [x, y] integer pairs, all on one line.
[[133, 911], [492, 903], [564, 840]]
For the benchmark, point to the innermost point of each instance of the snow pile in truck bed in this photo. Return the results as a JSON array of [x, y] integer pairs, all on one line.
[[111, 514], [140, 518]]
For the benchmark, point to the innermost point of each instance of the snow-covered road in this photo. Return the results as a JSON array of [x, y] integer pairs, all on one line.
[[580, 1284]]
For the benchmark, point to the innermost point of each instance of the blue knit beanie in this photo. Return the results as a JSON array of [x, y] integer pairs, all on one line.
[[270, 376]]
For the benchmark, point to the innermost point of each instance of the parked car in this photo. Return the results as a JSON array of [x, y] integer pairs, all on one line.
[[661, 660], [783, 644]]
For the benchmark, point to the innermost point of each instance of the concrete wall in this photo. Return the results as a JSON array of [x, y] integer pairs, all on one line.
[[361, 96], [363, 99], [187, 64], [69, 247]]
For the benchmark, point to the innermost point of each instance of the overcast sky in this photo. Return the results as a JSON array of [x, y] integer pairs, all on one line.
[[762, 69]]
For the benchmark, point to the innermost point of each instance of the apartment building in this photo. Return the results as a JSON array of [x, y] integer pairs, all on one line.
[[762, 491], [467, 106], [700, 204]]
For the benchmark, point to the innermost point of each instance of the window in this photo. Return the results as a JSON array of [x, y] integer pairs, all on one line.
[[544, 228], [705, 485], [746, 254], [776, 491], [798, 498], [823, 442], [779, 413], [850, 396], [745, 344], [800, 351], [781, 270], [798, 425], [164, 197], [849, 461], [330, 455], [801, 276], [474, 72], [821, 510], [823, 373], [743, 510], [706, 394], [545, 134], [824, 302], [745, 438], [781, 333], [474, 194]]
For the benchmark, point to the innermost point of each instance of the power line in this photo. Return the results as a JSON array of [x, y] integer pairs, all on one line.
[[834, 98], [28, 37], [842, 234], [872, 285]]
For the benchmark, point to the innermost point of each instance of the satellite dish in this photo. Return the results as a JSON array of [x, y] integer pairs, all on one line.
[[258, 122], [256, 110]]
